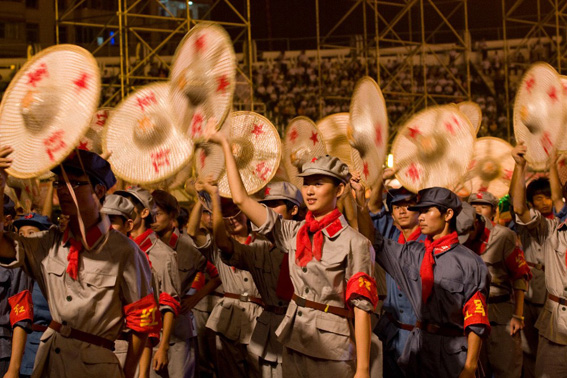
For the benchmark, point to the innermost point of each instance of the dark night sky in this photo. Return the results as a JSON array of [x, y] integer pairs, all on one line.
[[296, 18]]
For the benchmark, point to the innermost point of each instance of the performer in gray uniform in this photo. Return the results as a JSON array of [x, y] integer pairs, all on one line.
[[93, 284]]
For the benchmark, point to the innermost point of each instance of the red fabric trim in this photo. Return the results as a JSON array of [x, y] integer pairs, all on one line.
[[362, 285], [174, 238], [440, 245], [475, 311], [211, 270], [517, 265], [73, 258], [167, 300], [141, 241], [305, 249], [199, 281], [21, 307], [143, 315]]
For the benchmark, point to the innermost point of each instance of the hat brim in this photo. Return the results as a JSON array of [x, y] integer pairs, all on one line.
[[484, 202], [316, 171], [113, 212], [464, 238], [424, 205], [29, 222], [279, 198]]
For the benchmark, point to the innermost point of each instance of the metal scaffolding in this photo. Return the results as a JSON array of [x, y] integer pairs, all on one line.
[[138, 37]]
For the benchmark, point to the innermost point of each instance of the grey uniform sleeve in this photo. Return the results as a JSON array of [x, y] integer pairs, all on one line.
[[477, 280], [277, 230], [169, 281], [30, 251], [538, 227], [509, 247], [361, 260], [136, 279]]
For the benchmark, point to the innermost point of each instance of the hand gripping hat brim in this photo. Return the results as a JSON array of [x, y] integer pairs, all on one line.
[[47, 108], [146, 145], [302, 142], [202, 79], [256, 147]]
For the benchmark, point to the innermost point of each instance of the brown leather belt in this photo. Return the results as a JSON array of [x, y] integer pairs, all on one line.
[[72, 333], [499, 299], [437, 329], [278, 310], [340, 311], [38, 328], [554, 298], [537, 266], [245, 298], [397, 323]]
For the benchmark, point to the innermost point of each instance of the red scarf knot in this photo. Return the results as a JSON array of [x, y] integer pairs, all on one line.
[[440, 245], [305, 251]]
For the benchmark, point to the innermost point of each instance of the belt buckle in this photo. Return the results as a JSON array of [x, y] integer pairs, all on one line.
[[65, 331], [300, 301], [244, 297]]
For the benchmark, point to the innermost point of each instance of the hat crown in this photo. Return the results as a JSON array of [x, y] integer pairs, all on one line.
[[39, 108], [151, 129], [328, 166]]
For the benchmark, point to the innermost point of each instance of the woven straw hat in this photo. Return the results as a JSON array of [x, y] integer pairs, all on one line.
[[473, 112], [47, 108], [562, 142], [92, 140], [433, 148], [202, 79], [368, 129], [141, 134], [302, 142], [492, 166], [539, 113], [334, 132], [256, 146]]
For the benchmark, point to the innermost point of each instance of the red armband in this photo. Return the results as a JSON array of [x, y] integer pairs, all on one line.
[[199, 281], [475, 311], [143, 315], [212, 270], [167, 300], [21, 307], [517, 265], [362, 285]]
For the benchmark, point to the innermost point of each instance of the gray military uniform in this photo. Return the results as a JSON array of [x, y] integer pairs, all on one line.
[[263, 261], [111, 275], [551, 235], [308, 334]]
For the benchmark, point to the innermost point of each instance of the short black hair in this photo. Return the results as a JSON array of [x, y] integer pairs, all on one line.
[[452, 221], [183, 217], [538, 186], [166, 202], [140, 207]]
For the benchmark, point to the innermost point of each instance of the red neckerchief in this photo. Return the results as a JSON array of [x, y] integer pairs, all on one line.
[[413, 236], [93, 235], [550, 216], [143, 240], [478, 246], [305, 251], [440, 245]]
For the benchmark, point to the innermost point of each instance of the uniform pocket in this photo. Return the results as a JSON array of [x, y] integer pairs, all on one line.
[[98, 279], [55, 267], [452, 286], [328, 323]]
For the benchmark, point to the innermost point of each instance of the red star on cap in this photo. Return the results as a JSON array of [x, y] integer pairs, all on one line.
[[479, 195], [314, 137], [314, 160], [530, 84], [413, 172], [552, 94], [267, 191], [200, 43], [257, 130], [365, 170], [81, 83], [293, 135], [223, 83], [413, 132], [29, 216]]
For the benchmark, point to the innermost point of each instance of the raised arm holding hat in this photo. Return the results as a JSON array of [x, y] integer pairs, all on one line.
[[88, 307], [447, 286], [324, 293], [545, 243]]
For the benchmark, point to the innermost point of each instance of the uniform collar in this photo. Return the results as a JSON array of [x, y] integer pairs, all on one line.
[[174, 238], [336, 227], [146, 240], [94, 235]]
